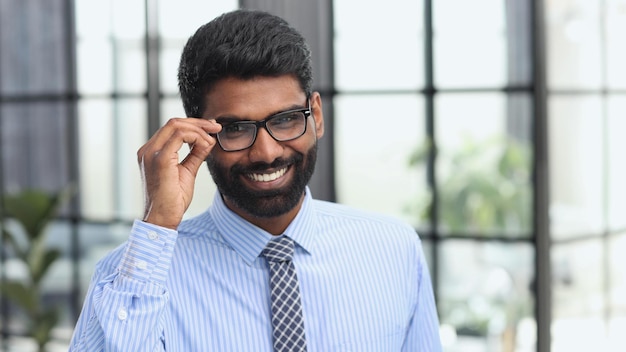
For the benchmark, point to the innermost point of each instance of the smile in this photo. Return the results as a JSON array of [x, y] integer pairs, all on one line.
[[267, 177]]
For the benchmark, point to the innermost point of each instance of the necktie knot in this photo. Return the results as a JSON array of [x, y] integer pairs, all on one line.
[[279, 250]]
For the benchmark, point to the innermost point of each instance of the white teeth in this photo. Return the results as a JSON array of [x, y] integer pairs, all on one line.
[[267, 177]]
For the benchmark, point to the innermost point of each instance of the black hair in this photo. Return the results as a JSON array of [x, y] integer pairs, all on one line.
[[243, 44]]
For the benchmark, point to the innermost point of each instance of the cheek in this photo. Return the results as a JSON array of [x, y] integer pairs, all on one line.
[[221, 158], [308, 140], [303, 145]]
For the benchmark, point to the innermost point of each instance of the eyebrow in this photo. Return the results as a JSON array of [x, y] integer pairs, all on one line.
[[226, 119]]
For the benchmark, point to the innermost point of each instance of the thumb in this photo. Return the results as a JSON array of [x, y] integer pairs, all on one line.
[[195, 158]]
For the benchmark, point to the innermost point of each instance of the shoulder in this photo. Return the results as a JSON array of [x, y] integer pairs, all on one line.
[[368, 237], [343, 212], [338, 216]]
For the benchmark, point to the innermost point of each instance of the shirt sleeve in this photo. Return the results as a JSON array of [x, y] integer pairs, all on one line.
[[125, 304], [423, 332]]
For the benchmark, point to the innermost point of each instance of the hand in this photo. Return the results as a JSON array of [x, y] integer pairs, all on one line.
[[168, 184]]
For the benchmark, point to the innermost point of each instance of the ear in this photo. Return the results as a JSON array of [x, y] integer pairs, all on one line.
[[318, 114]]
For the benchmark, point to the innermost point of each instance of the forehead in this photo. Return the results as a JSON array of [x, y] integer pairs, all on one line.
[[254, 98]]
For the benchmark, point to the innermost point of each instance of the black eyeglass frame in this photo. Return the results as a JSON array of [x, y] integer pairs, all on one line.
[[263, 123]]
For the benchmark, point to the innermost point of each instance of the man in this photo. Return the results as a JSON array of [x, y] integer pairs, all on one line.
[[357, 281]]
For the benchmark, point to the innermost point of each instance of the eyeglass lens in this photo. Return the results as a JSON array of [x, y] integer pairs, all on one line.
[[282, 127]]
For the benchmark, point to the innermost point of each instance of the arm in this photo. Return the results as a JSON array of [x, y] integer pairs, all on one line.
[[124, 305], [423, 332], [123, 310]]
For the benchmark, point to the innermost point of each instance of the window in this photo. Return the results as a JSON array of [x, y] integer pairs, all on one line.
[[433, 125], [586, 102]]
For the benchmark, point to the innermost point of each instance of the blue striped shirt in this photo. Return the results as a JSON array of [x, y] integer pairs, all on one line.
[[363, 278]]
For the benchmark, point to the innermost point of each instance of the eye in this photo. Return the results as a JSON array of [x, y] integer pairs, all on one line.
[[286, 120], [236, 129]]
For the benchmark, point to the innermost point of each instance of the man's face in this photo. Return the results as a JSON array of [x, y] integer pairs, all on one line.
[[268, 179]]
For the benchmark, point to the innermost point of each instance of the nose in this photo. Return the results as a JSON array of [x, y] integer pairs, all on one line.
[[265, 148]]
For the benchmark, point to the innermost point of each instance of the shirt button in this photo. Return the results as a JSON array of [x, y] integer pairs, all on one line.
[[153, 235], [140, 264], [122, 314]]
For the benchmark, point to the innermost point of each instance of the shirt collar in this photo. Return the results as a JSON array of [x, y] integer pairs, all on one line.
[[248, 240]]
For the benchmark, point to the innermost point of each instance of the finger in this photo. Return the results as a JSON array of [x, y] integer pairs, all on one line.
[[171, 137], [168, 153], [174, 126], [192, 163], [208, 126], [198, 152]]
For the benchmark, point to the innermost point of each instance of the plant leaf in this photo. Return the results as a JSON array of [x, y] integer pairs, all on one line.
[[34, 209], [43, 325], [20, 294], [39, 265], [31, 208], [420, 155], [10, 238]]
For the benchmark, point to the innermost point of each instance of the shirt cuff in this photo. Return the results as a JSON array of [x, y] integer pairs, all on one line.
[[148, 253]]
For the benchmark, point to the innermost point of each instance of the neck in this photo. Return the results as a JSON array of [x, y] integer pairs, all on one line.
[[273, 225]]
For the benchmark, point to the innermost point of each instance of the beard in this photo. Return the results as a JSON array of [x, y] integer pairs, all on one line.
[[266, 203]]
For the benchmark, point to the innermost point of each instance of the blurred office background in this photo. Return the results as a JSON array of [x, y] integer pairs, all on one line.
[[495, 127]]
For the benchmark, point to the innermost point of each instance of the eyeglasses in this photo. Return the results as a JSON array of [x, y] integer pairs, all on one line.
[[284, 126]]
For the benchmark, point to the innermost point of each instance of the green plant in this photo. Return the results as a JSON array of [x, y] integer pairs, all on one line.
[[32, 210], [483, 187]]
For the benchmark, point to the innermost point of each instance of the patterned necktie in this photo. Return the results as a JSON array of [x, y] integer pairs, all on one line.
[[287, 319]]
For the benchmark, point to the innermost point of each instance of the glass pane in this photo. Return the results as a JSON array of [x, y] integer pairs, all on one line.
[[375, 138], [110, 135], [617, 267], [616, 162], [576, 159], [617, 322], [111, 49], [170, 108], [176, 24], [578, 296], [94, 66], [378, 45], [181, 18], [122, 19], [485, 298], [128, 19], [130, 127], [469, 43], [617, 338], [574, 44], [33, 45], [169, 60], [105, 66], [96, 162], [483, 164], [94, 50], [130, 66], [34, 147], [615, 45], [93, 18]]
